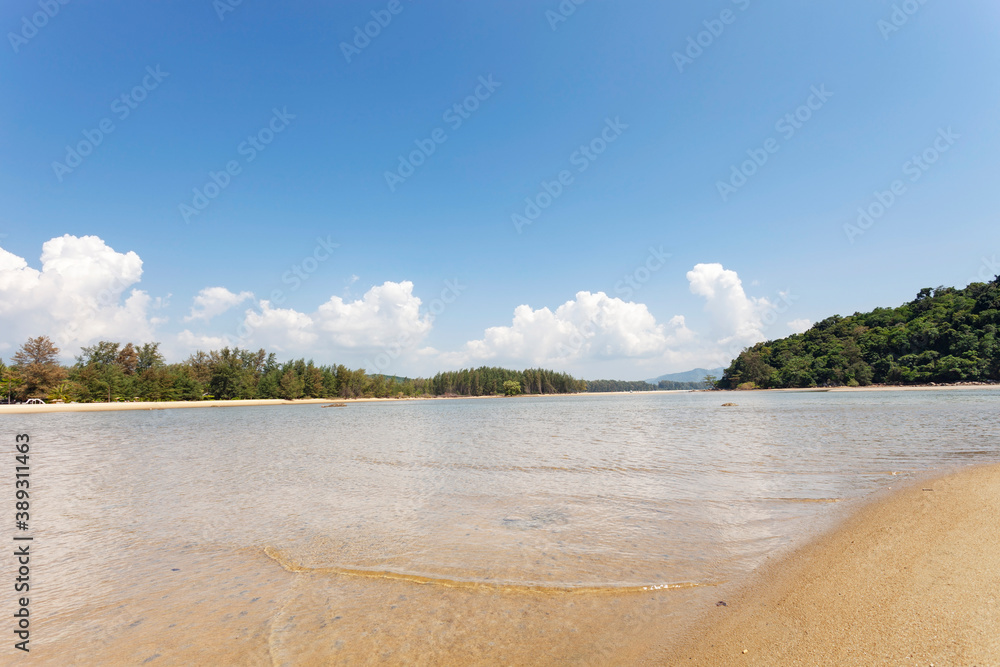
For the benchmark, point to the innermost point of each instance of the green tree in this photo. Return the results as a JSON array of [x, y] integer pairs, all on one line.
[[100, 370], [9, 384], [128, 359], [943, 335], [291, 385], [186, 388], [62, 393], [37, 365], [149, 357]]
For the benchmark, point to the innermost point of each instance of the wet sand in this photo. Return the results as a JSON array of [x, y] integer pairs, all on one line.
[[912, 579]]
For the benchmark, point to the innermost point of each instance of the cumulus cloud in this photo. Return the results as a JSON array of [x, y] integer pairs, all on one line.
[[593, 328], [283, 328], [80, 295], [191, 342], [590, 326], [84, 291], [386, 314], [736, 318], [382, 316], [213, 301]]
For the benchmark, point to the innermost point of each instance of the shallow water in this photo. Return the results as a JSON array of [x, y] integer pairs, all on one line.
[[552, 529]]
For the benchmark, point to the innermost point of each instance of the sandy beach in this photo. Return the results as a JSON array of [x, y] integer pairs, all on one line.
[[915, 387], [910, 579], [172, 405]]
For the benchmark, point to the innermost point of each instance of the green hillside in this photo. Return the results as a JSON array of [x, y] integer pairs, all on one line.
[[944, 335]]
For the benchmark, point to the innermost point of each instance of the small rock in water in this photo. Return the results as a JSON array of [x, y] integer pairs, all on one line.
[[720, 603], [729, 405]]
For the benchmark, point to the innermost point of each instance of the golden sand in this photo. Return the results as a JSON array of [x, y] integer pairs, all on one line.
[[913, 579], [910, 579], [171, 405]]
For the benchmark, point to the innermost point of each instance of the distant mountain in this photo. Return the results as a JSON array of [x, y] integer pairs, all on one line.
[[697, 375]]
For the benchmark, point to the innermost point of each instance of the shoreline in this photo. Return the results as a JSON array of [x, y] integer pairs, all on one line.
[[174, 405], [263, 402], [891, 387], [910, 577]]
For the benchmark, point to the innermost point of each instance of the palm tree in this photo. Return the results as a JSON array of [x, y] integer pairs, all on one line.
[[60, 393], [9, 384]]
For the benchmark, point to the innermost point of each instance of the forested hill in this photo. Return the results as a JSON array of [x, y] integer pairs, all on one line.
[[944, 335]]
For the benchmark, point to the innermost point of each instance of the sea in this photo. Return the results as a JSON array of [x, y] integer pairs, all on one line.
[[577, 529]]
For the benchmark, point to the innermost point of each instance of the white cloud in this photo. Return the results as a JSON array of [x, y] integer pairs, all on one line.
[[736, 318], [282, 328], [85, 291], [595, 331], [79, 296], [213, 301], [382, 316], [387, 314], [798, 326], [592, 326], [193, 342]]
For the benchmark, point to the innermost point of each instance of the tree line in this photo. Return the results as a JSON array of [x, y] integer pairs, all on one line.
[[109, 371], [488, 381], [639, 385], [944, 335]]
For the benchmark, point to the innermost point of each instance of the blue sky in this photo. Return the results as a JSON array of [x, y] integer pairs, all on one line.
[[431, 272]]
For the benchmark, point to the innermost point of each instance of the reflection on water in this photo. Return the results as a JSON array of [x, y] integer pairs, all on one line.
[[529, 529]]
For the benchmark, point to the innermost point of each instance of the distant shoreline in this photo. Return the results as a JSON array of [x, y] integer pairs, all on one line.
[[259, 402], [173, 405], [879, 387]]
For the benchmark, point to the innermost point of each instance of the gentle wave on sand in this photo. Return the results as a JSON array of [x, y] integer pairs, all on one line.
[[526, 531]]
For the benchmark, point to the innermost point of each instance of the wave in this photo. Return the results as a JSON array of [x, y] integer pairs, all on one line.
[[289, 565], [494, 467], [806, 500]]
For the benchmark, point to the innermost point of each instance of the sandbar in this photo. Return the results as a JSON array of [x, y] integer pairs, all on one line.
[[171, 405]]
